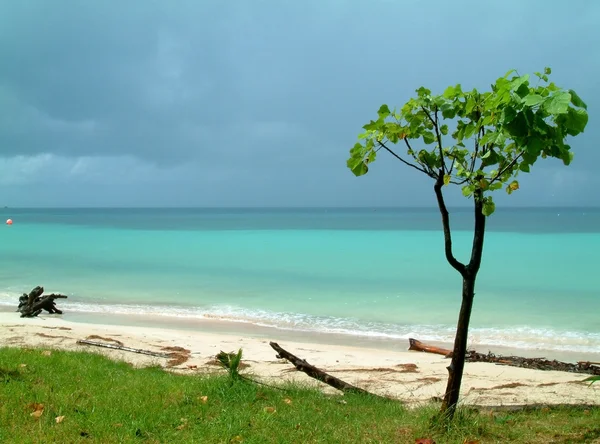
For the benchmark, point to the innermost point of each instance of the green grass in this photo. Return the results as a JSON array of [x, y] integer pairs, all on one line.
[[106, 401]]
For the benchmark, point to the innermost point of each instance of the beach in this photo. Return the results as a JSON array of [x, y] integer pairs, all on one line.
[[342, 288], [415, 378]]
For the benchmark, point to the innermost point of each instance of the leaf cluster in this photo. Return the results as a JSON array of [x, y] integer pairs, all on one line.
[[231, 361], [480, 141]]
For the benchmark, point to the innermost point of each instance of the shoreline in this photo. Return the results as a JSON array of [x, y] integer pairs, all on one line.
[[251, 330], [382, 370]]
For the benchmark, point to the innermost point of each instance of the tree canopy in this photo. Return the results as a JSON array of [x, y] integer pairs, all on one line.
[[494, 135]]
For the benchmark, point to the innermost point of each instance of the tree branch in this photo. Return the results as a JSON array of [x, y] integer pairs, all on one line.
[[478, 235], [438, 135], [458, 266], [381, 144], [507, 167], [474, 158]]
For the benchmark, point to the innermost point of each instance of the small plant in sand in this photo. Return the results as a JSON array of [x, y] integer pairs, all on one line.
[[480, 142], [231, 361]]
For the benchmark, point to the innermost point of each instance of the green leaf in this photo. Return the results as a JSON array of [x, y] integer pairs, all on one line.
[[518, 127], [508, 114], [372, 125], [547, 71], [576, 100], [567, 157], [576, 121], [448, 111], [519, 81], [524, 166], [533, 99], [488, 207], [469, 130], [444, 129], [384, 111], [428, 137], [446, 179], [358, 168], [468, 190], [450, 92], [558, 103]]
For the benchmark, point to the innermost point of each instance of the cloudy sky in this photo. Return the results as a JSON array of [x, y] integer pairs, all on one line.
[[256, 103]]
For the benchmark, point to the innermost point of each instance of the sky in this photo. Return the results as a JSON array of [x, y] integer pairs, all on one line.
[[256, 103]]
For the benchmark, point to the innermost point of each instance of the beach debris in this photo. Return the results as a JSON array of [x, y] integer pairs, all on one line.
[[179, 355], [590, 368], [105, 339], [416, 345], [32, 304], [176, 355], [123, 348], [314, 372], [37, 408]]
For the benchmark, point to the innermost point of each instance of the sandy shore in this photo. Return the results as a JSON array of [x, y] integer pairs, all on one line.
[[381, 371]]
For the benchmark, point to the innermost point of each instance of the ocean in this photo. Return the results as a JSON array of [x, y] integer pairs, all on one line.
[[368, 272]]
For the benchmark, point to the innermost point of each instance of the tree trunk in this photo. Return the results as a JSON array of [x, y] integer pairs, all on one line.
[[469, 275], [457, 365]]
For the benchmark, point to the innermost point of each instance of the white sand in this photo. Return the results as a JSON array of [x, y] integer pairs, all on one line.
[[375, 370]]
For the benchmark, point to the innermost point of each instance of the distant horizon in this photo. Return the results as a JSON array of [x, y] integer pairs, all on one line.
[[317, 207]]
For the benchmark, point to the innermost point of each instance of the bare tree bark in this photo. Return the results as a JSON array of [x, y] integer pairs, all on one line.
[[416, 345], [469, 274], [317, 374]]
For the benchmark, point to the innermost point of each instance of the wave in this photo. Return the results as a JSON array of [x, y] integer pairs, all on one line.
[[520, 337]]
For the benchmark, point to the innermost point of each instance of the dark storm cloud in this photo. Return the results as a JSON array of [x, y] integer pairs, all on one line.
[[264, 97]]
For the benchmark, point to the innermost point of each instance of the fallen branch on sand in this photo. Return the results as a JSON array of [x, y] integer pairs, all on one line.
[[590, 368], [416, 345], [123, 348], [315, 373], [32, 304], [534, 363]]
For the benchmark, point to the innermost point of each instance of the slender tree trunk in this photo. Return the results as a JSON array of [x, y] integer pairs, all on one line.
[[457, 365], [469, 275]]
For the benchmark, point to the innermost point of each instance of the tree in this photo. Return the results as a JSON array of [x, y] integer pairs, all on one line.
[[496, 135]]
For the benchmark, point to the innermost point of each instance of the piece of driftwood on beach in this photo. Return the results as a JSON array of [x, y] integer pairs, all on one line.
[[416, 345], [32, 304], [534, 363], [590, 368], [315, 373], [123, 348]]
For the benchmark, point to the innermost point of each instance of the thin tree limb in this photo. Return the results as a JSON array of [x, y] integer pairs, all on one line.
[[123, 348], [457, 265], [381, 144], [315, 373], [507, 167], [438, 135]]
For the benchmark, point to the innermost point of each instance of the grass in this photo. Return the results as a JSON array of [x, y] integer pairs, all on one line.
[[105, 401]]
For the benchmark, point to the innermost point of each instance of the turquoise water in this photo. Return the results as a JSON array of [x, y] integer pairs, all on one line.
[[367, 272]]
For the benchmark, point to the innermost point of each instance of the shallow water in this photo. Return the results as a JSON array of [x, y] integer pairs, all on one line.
[[362, 272]]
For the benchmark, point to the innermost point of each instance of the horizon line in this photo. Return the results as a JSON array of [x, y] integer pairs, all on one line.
[[274, 207]]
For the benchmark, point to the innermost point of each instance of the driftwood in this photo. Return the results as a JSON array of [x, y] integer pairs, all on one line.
[[123, 348], [32, 304], [419, 346], [534, 363], [315, 373], [590, 368]]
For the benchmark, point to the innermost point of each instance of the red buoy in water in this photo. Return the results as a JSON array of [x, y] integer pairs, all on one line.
[[9, 222]]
